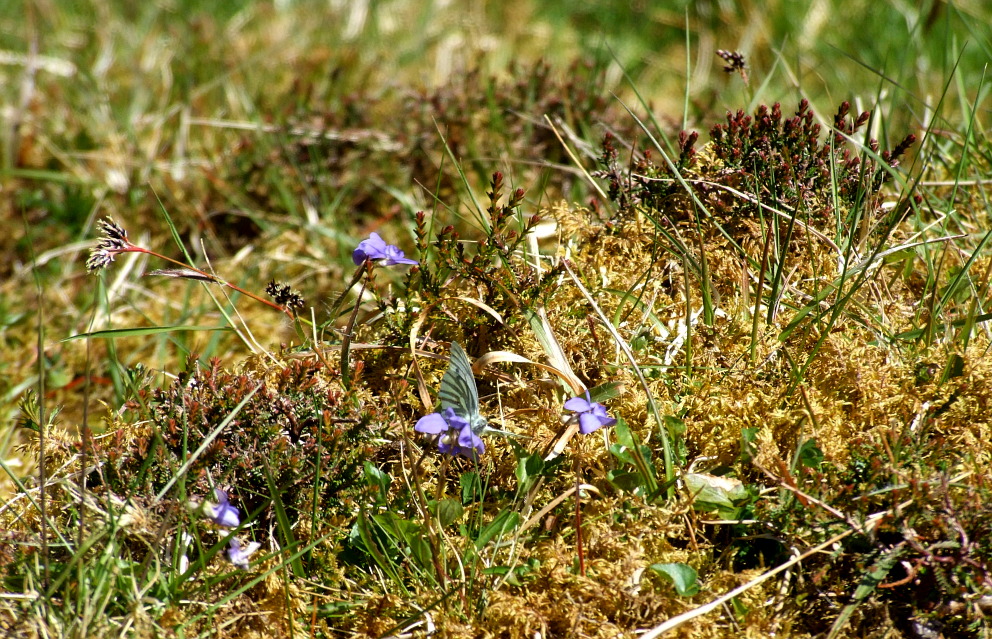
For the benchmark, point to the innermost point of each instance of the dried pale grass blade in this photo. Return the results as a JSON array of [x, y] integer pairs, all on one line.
[[669, 456], [425, 395], [552, 348], [495, 357], [375, 139], [554, 504], [619, 341], [559, 447], [481, 305], [591, 182], [182, 273]]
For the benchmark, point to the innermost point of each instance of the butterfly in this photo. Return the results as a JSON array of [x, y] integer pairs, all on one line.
[[459, 392]]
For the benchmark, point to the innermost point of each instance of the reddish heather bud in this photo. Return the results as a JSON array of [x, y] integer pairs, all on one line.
[[903, 146], [609, 150]]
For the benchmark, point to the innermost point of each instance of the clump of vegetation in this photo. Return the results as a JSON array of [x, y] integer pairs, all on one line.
[[284, 424]]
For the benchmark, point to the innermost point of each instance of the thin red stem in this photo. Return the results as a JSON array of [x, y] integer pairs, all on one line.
[[211, 277]]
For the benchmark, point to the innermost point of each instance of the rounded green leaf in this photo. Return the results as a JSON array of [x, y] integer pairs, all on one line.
[[682, 576]]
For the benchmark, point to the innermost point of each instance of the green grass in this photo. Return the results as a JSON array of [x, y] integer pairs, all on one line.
[[791, 329]]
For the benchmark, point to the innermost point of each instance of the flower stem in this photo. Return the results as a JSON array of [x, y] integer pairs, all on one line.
[[214, 279]]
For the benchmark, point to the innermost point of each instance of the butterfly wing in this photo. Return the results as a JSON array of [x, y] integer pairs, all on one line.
[[458, 390]]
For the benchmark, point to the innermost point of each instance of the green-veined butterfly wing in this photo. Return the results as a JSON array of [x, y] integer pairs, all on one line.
[[458, 390]]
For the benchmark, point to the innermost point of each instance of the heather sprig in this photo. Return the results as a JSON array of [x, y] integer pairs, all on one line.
[[493, 270]]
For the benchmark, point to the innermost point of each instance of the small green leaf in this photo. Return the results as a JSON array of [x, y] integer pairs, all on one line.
[[420, 549], [748, 446], [676, 434], [528, 470], [471, 487], [625, 481], [335, 609], [715, 493], [740, 610], [624, 437], [676, 427], [514, 575], [377, 478], [682, 576], [449, 511], [505, 522], [624, 448], [809, 454], [954, 368], [508, 573], [605, 392]]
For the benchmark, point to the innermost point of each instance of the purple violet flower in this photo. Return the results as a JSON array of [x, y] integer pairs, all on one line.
[[223, 513], [592, 415], [376, 249], [456, 435], [238, 554]]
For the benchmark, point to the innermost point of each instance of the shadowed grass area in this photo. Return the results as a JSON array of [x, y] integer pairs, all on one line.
[[768, 286]]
